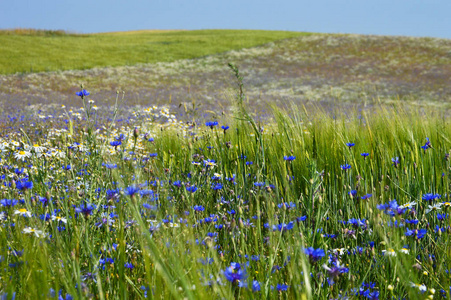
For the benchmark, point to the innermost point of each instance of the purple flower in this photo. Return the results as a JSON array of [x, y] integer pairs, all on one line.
[[83, 93], [345, 167], [255, 286], [211, 124], [24, 185], [395, 161], [314, 254], [131, 190], [289, 158], [85, 208], [191, 189], [235, 273]]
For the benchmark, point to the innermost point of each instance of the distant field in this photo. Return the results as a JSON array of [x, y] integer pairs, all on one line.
[[27, 51]]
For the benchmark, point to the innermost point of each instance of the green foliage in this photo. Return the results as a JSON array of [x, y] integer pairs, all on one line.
[[38, 51]]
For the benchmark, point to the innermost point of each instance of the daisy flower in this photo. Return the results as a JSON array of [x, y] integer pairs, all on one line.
[[59, 219], [22, 212], [38, 148], [30, 230], [22, 155], [434, 207]]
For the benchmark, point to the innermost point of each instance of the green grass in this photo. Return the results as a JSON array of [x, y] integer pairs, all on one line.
[[38, 51]]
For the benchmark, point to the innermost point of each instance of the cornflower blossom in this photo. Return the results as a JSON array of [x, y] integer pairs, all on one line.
[[427, 145], [191, 189], [85, 208], [364, 197], [365, 155], [283, 227], [395, 161], [211, 124], [8, 202], [255, 286], [30, 230], [235, 273], [345, 167], [131, 190], [289, 158], [83, 93], [429, 197], [419, 234], [335, 270], [24, 185], [350, 145], [314, 254]]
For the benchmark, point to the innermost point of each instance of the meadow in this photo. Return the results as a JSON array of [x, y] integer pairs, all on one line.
[[28, 51], [111, 199]]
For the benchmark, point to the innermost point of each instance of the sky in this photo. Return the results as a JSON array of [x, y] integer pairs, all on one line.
[[382, 17]]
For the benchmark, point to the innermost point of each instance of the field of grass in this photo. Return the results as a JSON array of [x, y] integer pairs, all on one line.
[[320, 171], [24, 51]]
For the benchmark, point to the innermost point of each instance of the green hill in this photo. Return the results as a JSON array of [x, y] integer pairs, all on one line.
[[27, 51]]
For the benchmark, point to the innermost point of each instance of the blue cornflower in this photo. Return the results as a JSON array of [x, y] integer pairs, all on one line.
[[211, 124], [314, 254], [442, 217], [198, 208], [129, 266], [350, 145], [255, 286], [83, 93], [24, 185], [225, 128], [427, 145], [191, 189], [115, 143], [283, 227], [153, 154], [364, 197], [217, 186], [85, 208], [8, 202], [109, 166], [235, 273], [345, 167], [289, 158], [282, 287], [352, 193], [259, 184], [365, 155], [131, 190], [429, 197], [395, 161]]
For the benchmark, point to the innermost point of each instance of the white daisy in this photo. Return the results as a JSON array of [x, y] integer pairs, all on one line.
[[389, 252], [36, 232], [434, 207], [22, 212], [22, 155], [59, 219]]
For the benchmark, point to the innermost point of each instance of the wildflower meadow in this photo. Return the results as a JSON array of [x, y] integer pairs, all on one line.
[[102, 202]]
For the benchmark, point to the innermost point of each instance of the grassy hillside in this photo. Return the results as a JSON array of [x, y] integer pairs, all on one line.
[[37, 51]]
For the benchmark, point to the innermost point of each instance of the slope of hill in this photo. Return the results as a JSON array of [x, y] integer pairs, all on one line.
[[29, 51], [326, 69]]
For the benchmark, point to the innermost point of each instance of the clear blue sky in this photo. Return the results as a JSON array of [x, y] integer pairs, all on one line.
[[383, 17]]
